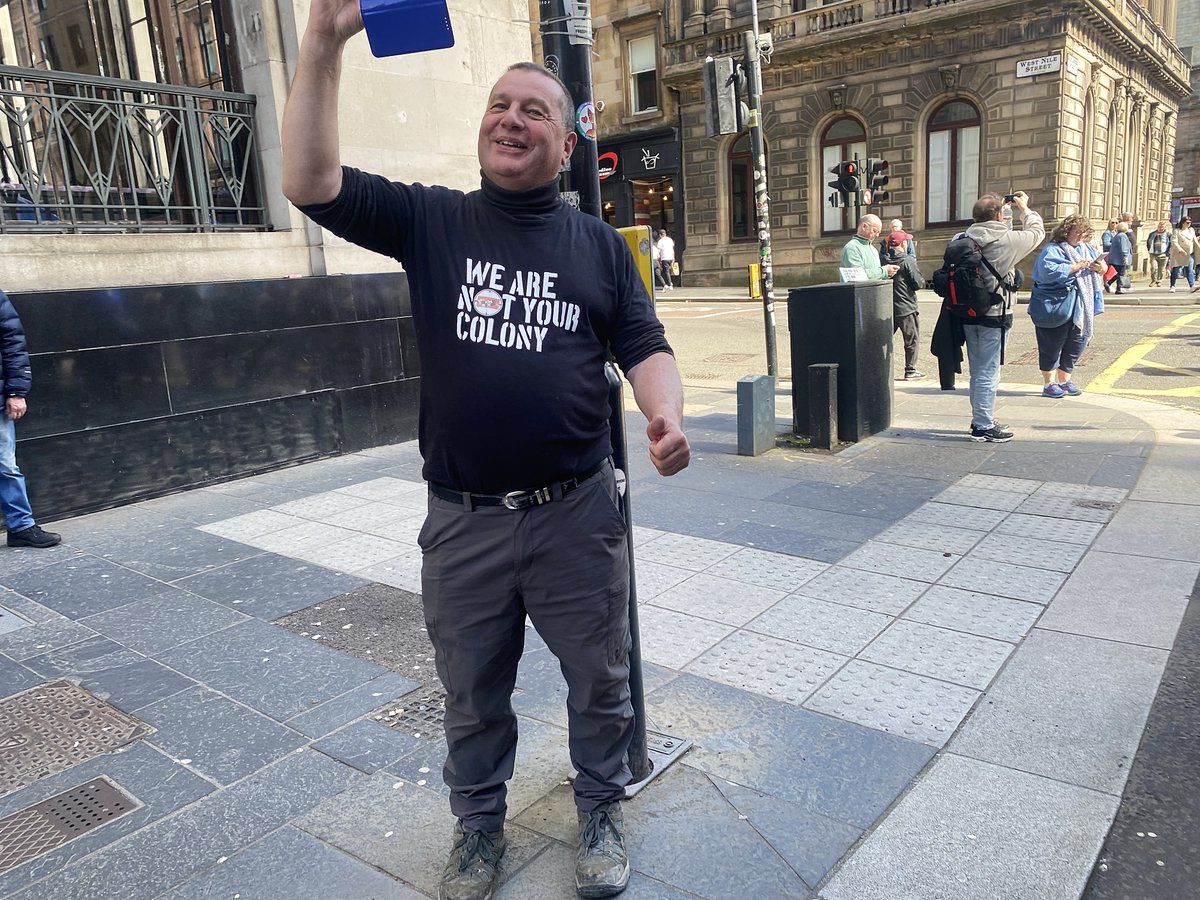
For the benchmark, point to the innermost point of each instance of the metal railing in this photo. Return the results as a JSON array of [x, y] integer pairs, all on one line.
[[82, 153]]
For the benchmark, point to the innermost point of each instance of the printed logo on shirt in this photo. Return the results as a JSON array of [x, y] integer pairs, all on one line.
[[514, 310]]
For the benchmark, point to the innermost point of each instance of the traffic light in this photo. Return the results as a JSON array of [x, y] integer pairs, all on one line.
[[877, 179], [723, 82], [846, 183]]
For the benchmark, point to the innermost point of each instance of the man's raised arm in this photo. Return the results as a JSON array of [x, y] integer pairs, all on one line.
[[312, 168]]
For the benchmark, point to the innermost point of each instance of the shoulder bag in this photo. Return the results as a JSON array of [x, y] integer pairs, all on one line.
[[1049, 308]]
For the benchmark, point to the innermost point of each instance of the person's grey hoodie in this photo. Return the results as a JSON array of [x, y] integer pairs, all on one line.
[[1004, 247]]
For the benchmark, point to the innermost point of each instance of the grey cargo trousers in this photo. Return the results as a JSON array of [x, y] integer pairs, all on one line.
[[566, 564]]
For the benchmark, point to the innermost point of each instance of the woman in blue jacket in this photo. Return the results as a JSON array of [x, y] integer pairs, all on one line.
[[1067, 279], [1120, 254]]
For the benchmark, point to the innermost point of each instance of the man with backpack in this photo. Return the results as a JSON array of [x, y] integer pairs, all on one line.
[[986, 311]]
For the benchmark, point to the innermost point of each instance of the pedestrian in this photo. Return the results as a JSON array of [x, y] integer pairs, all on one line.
[[1003, 247], [905, 283], [660, 280], [859, 252], [1183, 251], [894, 226], [23, 531], [1120, 257], [1158, 245], [666, 258], [1107, 236], [1067, 286], [518, 300]]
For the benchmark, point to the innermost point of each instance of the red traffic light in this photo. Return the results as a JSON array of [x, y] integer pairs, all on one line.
[[851, 168]]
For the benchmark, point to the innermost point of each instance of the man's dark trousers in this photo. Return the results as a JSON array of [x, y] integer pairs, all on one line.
[[565, 563]]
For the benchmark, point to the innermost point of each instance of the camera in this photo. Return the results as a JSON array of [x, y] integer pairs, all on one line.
[[1009, 198]]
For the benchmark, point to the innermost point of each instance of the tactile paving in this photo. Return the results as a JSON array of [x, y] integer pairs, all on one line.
[[956, 516], [355, 554], [385, 489], [773, 570], [321, 507], [1040, 553], [673, 639], [984, 614], [686, 552], [1082, 491], [999, 483], [1005, 580], [718, 599], [954, 656], [818, 623], [928, 536], [1068, 508], [1067, 531], [980, 498], [905, 562], [900, 703], [54, 726], [653, 578], [767, 666], [866, 590]]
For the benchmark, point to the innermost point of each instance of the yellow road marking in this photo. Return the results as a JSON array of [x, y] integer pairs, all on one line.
[[1105, 382]]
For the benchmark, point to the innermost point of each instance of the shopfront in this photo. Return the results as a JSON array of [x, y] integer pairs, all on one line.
[[640, 182]]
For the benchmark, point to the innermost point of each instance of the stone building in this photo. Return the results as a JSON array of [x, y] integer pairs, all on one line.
[[139, 139], [1074, 103], [1186, 188]]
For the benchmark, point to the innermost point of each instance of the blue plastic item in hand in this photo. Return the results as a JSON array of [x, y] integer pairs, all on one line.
[[406, 26]]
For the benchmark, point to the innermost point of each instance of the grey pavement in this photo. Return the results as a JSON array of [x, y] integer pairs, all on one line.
[[917, 668]]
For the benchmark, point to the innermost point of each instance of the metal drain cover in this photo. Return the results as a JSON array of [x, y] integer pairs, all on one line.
[[421, 713], [40, 828], [51, 727]]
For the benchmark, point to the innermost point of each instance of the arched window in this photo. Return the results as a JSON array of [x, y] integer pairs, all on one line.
[[741, 190], [843, 139], [953, 158]]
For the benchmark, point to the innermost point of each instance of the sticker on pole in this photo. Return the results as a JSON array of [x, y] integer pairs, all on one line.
[[620, 475], [395, 27], [585, 120]]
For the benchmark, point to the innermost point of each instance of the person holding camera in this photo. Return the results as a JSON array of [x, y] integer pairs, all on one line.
[[1003, 247]]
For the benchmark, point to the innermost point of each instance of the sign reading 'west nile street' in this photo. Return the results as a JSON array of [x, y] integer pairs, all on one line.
[[1039, 66]]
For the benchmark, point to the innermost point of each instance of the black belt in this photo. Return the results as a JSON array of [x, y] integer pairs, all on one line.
[[517, 499]]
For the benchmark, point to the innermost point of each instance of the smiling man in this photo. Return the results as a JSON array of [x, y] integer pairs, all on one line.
[[518, 300]]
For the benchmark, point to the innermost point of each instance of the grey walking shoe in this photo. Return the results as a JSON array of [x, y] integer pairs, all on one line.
[[601, 865], [473, 868]]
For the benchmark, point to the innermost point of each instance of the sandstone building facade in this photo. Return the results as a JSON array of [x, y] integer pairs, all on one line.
[[1077, 104]]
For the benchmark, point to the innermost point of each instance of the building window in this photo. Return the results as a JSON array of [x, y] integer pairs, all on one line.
[[953, 174], [843, 140], [741, 190], [643, 74]]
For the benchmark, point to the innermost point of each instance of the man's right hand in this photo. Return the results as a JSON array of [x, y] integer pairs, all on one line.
[[1020, 200], [890, 270], [335, 20]]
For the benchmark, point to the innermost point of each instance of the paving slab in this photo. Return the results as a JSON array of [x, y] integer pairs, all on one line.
[[289, 863], [956, 516], [219, 738], [975, 613], [161, 856], [673, 639], [718, 599], [1158, 530], [928, 536], [269, 585], [551, 876], [822, 765], [268, 669], [1067, 707], [173, 552], [900, 703], [1067, 508], [652, 578], [367, 746], [1117, 597], [969, 830], [820, 623], [686, 552], [34, 640], [800, 543], [905, 562], [198, 506], [941, 653], [112, 672], [318, 721], [767, 666], [160, 785], [1067, 531], [772, 570], [1039, 553], [873, 591], [249, 526], [403, 830], [83, 585], [1004, 579], [168, 619]]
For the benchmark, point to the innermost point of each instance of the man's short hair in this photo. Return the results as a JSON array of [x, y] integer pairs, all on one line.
[[987, 208], [566, 103]]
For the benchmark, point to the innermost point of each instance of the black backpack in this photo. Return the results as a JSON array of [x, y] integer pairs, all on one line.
[[962, 282]]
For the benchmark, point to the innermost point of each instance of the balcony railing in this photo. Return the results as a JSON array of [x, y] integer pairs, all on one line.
[[82, 153]]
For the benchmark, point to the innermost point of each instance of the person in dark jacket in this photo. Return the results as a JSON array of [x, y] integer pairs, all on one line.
[[14, 501], [905, 283], [1120, 255]]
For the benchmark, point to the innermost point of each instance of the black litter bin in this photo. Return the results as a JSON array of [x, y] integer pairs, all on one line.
[[851, 325]]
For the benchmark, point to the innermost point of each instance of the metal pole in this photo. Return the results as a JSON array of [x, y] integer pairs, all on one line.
[[566, 27], [762, 203]]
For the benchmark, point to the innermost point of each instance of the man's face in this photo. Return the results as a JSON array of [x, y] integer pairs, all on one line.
[[522, 141], [870, 229]]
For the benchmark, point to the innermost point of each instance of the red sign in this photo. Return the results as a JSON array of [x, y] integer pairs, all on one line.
[[607, 163]]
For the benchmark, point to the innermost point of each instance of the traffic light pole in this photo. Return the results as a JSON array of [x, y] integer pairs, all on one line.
[[762, 203]]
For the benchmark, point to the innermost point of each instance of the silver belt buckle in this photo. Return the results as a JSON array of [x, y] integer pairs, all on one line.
[[513, 499]]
